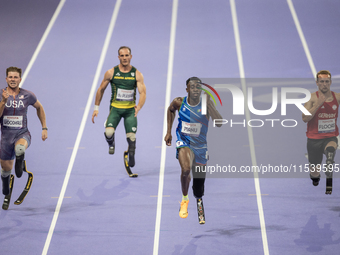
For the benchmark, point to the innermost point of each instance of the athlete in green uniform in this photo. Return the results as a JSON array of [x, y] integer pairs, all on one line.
[[124, 79]]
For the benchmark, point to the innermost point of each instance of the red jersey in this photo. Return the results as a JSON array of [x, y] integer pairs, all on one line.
[[323, 124]]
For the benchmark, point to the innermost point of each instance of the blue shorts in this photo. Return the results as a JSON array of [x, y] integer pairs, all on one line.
[[8, 140], [201, 154]]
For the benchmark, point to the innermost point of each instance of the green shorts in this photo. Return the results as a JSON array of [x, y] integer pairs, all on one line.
[[130, 121]]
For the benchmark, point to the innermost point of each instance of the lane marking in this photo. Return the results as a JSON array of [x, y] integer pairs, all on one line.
[[82, 125], [304, 44], [167, 103], [302, 37], [42, 41], [249, 129]]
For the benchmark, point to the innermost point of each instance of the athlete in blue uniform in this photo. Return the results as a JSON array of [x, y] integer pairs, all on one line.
[[191, 141], [15, 137]]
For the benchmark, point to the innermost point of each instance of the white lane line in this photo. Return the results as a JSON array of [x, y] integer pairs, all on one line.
[[42, 41], [167, 103], [302, 37], [82, 125], [249, 129]]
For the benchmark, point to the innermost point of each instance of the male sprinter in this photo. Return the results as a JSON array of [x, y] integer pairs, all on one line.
[[322, 129], [124, 79], [15, 137], [191, 141]]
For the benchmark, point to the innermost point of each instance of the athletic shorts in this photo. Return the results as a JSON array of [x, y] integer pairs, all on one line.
[[201, 154], [130, 121], [8, 140], [316, 148]]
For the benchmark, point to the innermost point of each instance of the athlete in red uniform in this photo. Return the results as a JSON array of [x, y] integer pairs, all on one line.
[[322, 129]]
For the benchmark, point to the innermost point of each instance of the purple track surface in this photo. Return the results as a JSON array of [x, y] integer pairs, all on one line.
[[106, 212]]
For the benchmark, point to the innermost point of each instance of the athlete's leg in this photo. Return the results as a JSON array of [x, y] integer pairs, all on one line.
[[110, 139], [330, 150], [131, 139], [111, 124], [130, 123], [198, 189], [315, 158], [198, 180], [6, 169], [185, 158], [20, 148]]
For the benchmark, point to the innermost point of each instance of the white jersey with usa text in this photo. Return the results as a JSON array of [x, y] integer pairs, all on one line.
[[14, 117]]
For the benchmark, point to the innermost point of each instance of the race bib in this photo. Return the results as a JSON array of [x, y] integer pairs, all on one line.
[[125, 95], [191, 129], [14, 122], [326, 126]]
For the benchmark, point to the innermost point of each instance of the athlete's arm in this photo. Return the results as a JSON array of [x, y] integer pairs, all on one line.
[[171, 113], [142, 91], [313, 105], [3, 101], [100, 92], [42, 117], [337, 96], [212, 111]]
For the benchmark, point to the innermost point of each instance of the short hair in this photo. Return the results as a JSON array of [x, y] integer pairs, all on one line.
[[323, 72], [124, 47], [193, 79], [13, 69]]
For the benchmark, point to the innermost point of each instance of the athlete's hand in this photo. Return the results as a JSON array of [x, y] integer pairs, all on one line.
[[322, 98], [94, 114], [44, 135], [168, 139], [5, 95], [137, 108]]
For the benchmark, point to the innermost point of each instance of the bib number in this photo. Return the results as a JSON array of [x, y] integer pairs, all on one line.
[[14, 122], [125, 95], [326, 126], [191, 129]]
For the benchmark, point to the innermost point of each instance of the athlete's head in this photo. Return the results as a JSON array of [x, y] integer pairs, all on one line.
[[13, 76], [324, 80], [124, 55], [194, 88], [323, 72], [13, 69]]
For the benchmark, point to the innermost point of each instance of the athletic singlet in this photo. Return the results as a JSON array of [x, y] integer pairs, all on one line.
[[324, 122], [123, 88], [14, 117], [192, 125]]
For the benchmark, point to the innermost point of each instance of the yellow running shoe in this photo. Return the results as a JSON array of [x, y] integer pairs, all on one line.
[[183, 210]]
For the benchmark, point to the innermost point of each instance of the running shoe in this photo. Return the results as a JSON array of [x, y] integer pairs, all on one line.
[[183, 210]]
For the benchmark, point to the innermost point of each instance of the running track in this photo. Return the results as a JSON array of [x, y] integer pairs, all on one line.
[[102, 210]]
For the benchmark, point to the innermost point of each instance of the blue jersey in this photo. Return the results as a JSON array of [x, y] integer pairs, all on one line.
[[14, 117], [192, 130], [14, 122]]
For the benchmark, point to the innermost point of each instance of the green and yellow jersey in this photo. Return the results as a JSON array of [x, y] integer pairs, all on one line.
[[123, 87]]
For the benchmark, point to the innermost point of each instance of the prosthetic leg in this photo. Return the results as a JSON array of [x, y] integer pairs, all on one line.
[[129, 157], [27, 186], [7, 199], [330, 153], [198, 190]]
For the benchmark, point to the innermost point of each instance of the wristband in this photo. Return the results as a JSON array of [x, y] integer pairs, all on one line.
[[96, 108], [45, 128]]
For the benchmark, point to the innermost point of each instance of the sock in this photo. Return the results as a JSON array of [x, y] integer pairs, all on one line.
[[185, 198]]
